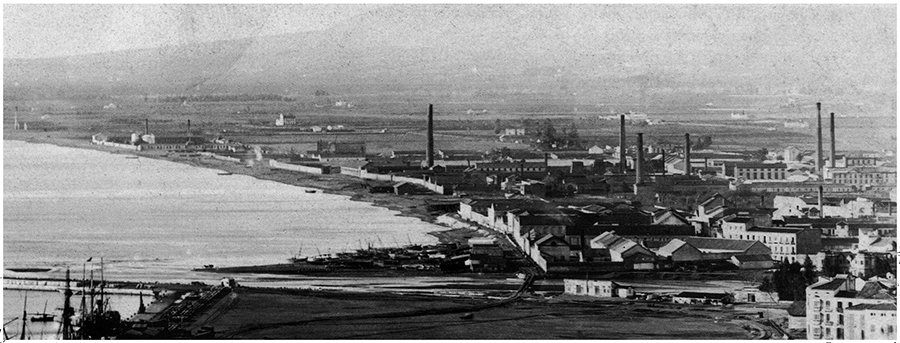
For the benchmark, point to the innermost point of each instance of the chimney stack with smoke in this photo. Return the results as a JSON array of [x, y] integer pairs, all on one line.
[[189, 128], [833, 152], [639, 160], [429, 153], [622, 163], [687, 154], [819, 140]]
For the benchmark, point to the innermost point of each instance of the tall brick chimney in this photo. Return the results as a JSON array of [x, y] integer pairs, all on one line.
[[622, 162], [687, 154], [819, 140], [833, 151], [639, 160], [429, 152]]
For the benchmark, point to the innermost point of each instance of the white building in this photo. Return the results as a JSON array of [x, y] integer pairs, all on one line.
[[830, 303], [593, 288]]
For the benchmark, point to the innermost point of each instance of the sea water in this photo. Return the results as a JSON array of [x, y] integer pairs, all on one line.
[[153, 220]]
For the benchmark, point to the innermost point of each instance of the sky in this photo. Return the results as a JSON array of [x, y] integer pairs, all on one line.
[[43, 30]]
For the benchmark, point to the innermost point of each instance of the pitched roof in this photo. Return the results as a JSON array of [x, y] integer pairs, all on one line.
[[753, 258], [738, 220], [711, 199], [702, 295], [831, 285], [877, 290], [776, 229], [720, 244], [672, 247], [877, 307]]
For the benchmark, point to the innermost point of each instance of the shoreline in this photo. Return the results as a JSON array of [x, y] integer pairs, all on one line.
[[406, 206]]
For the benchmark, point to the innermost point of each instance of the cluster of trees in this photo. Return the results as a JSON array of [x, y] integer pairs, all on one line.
[[549, 139], [703, 143], [790, 280]]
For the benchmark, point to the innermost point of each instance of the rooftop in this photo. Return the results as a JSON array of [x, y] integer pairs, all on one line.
[[702, 295], [708, 243], [877, 307], [831, 285], [776, 229]]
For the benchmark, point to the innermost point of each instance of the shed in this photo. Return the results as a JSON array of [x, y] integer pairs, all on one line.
[[404, 188], [761, 261], [797, 315]]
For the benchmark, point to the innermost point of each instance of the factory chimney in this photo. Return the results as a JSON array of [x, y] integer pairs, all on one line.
[[819, 140], [146, 126], [639, 160], [622, 164], [833, 152], [821, 203], [687, 154], [189, 128], [429, 152]]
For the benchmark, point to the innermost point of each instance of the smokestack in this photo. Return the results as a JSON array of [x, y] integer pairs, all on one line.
[[146, 126], [833, 152], [821, 203], [687, 154], [622, 163], [546, 158], [639, 160], [429, 153], [819, 140], [189, 128]]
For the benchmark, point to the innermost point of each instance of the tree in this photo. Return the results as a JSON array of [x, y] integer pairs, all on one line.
[[547, 134], [790, 281], [573, 137], [882, 264], [830, 265], [767, 285], [809, 271]]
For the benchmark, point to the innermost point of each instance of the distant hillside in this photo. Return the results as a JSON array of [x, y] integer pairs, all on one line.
[[551, 50]]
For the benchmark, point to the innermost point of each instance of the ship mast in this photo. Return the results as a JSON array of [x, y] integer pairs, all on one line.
[[66, 314], [24, 316]]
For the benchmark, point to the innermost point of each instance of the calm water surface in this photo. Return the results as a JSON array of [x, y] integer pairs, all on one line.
[[155, 220]]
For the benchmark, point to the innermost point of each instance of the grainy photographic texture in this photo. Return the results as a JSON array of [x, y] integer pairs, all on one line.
[[379, 171]]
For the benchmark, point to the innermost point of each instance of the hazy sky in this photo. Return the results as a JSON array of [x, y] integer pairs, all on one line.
[[60, 30]]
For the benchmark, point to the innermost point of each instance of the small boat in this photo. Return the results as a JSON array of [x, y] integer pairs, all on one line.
[[131, 157], [469, 315], [225, 173], [310, 191], [43, 317]]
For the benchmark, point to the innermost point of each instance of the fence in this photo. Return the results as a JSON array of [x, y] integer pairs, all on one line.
[[220, 157], [322, 169], [362, 174]]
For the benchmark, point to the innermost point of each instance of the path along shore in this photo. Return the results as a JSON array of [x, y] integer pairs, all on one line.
[[409, 206]]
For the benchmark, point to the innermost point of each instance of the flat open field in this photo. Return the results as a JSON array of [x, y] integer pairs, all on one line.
[[286, 314], [401, 126]]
